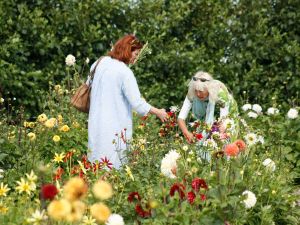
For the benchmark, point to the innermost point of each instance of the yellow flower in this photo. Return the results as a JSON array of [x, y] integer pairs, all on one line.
[[81, 166], [64, 128], [3, 208], [3, 189], [37, 217], [57, 87], [31, 124], [31, 177], [59, 209], [76, 124], [75, 188], [56, 138], [77, 211], [153, 204], [100, 212], [50, 123], [88, 221], [102, 190], [59, 157], [129, 173], [59, 118], [23, 186], [26, 124], [42, 118], [31, 136]]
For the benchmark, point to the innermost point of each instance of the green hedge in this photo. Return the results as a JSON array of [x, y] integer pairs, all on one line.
[[252, 46]]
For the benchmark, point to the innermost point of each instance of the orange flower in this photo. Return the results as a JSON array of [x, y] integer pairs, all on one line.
[[241, 144], [231, 150]]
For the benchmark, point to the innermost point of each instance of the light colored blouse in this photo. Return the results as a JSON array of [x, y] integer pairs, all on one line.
[[114, 95]]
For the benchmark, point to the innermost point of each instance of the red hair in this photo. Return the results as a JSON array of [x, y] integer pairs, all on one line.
[[123, 48]]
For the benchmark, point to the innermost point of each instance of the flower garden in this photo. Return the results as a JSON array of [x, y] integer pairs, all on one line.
[[47, 179]]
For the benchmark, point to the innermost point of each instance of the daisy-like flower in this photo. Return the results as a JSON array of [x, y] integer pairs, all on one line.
[[272, 111], [3, 208], [105, 163], [251, 139], [269, 164], [3, 189], [31, 177], [37, 217], [59, 157], [169, 165], [228, 124], [252, 115], [257, 108], [185, 148], [292, 113], [261, 139], [70, 60], [115, 219], [88, 220], [129, 173], [246, 107], [23, 186], [174, 109], [210, 143], [250, 199], [81, 166]]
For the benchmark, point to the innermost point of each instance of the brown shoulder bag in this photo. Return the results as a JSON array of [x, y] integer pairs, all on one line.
[[81, 99]]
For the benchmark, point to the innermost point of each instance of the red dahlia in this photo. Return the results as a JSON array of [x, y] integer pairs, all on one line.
[[178, 187], [133, 196], [198, 183], [49, 191]]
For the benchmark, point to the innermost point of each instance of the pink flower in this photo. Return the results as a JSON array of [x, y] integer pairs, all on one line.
[[231, 150]]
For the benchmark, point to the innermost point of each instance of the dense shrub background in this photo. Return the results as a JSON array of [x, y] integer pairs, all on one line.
[[252, 46]]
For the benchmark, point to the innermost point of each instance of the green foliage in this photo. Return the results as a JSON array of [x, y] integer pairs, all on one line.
[[249, 45]]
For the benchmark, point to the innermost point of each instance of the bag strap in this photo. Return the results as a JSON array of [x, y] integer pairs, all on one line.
[[92, 73]]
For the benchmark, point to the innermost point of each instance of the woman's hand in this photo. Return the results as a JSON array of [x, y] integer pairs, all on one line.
[[189, 137], [160, 113]]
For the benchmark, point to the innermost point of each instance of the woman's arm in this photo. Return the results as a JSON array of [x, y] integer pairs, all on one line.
[[187, 105], [188, 135]]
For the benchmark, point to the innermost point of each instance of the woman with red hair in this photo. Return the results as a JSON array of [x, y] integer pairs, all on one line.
[[114, 95]]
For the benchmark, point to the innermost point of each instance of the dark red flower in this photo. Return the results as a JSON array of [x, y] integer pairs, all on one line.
[[191, 197], [133, 196], [105, 162], [49, 191], [141, 212], [144, 117], [68, 156], [198, 183], [199, 136], [96, 166], [203, 197], [180, 188], [58, 173]]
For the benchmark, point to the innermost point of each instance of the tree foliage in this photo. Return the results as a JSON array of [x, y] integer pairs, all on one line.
[[249, 45]]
